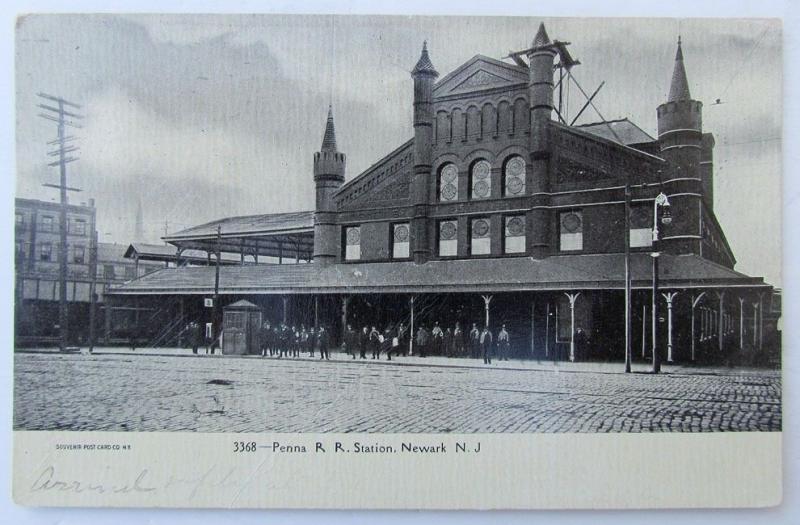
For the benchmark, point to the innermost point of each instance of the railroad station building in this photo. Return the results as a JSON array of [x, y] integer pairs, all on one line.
[[497, 211]]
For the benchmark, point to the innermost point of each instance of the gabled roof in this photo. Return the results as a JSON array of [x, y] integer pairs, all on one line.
[[628, 132], [610, 141], [161, 252], [564, 272], [478, 73], [250, 225]]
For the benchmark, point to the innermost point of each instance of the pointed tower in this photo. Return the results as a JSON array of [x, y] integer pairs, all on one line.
[[329, 167], [541, 57], [680, 128], [424, 75]]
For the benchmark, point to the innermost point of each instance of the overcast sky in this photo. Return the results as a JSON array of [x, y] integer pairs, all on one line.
[[207, 116]]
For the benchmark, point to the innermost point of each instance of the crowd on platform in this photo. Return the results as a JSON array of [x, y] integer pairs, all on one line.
[[282, 340]]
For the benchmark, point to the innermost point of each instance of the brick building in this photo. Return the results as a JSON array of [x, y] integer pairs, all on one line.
[[36, 270], [498, 211]]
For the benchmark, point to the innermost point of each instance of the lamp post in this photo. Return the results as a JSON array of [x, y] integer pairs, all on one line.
[[661, 201]]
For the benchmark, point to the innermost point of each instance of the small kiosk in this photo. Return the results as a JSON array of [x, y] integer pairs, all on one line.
[[240, 326]]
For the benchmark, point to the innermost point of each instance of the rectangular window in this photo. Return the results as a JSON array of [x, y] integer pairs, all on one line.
[[130, 272], [480, 237], [108, 272], [20, 250], [19, 220], [78, 254], [400, 241], [79, 227], [46, 252], [641, 227], [47, 223], [514, 240], [352, 237], [571, 231], [448, 238]]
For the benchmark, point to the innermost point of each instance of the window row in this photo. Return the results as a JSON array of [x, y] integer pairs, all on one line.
[[479, 235], [47, 223], [480, 180], [76, 255], [400, 246]]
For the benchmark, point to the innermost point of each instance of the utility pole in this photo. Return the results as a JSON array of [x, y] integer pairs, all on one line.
[[62, 118], [628, 350], [215, 311]]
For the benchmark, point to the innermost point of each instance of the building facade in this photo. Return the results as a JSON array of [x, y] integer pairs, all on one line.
[[498, 211], [37, 252]]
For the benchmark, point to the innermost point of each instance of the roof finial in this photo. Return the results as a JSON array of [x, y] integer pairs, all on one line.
[[541, 39], [329, 139], [424, 64], [679, 87]]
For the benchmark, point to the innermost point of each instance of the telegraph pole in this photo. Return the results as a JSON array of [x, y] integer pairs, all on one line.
[[62, 118], [215, 311], [628, 351]]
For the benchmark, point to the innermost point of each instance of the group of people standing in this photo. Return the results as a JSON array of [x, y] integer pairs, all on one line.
[[282, 340], [285, 341], [454, 342]]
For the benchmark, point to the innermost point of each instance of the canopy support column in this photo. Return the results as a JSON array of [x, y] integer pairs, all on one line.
[[741, 323], [695, 301], [411, 327], [572, 298], [486, 300], [285, 315], [345, 300], [721, 323], [669, 297]]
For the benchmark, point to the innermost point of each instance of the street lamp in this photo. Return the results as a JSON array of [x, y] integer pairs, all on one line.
[[661, 201]]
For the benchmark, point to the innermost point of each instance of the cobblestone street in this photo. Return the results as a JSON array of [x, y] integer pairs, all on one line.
[[125, 391]]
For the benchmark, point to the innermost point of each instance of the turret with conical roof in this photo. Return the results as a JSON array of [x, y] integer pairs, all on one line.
[[329, 166], [424, 75], [541, 57], [680, 127]]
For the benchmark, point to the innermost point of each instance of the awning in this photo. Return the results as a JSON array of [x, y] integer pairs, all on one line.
[[508, 274]]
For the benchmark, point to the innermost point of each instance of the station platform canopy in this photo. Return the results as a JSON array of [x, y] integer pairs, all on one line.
[[275, 235], [512, 274]]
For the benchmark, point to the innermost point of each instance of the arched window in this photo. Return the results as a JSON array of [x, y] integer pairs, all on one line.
[[448, 183], [514, 177], [481, 180]]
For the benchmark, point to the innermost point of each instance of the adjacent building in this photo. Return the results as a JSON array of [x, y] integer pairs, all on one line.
[[37, 251]]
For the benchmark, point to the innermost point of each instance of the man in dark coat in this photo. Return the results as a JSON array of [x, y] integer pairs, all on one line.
[[437, 337], [448, 342], [195, 335], [402, 339], [350, 341], [386, 343], [322, 343], [458, 341], [486, 341], [363, 342], [375, 339], [422, 341], [503, 344], [474, 341]]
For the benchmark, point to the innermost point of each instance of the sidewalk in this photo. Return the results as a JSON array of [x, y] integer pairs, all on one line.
[[437, 361]]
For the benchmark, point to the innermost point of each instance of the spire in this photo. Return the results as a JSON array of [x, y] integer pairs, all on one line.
[[679, 87], [329, 140], [424, 64], [541, 39], [138, 233]]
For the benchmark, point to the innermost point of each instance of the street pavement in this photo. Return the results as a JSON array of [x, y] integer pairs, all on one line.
[[173, 390]]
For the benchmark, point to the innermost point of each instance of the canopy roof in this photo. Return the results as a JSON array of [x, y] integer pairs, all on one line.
[[273, 234], [565, 272]]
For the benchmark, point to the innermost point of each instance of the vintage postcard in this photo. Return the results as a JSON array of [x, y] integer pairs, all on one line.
[[469, 262]]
